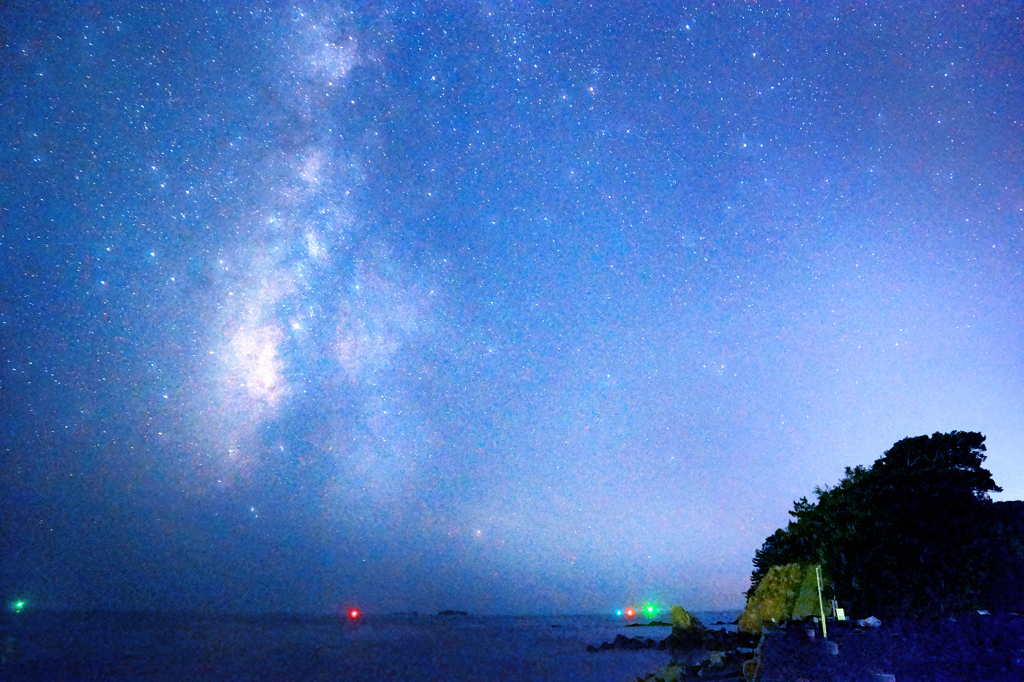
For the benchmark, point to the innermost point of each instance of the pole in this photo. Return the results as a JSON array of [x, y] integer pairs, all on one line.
[[821, 605]]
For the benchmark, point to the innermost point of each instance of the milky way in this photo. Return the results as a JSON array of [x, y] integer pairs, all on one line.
[[313, 308]]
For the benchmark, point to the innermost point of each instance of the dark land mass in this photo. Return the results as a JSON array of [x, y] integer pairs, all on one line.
[[968, 648], [684, 640], [971, 648]]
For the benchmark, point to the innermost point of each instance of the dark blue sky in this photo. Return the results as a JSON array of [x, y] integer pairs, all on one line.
[[509, 307]]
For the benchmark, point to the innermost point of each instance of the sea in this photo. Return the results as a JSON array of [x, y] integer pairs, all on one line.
[[54, 645]]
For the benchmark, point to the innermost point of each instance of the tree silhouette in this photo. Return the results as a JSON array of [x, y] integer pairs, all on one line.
[[912, 534]]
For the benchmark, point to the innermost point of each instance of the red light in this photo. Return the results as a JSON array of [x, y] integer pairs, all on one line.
[[353, 613], [630, 613]]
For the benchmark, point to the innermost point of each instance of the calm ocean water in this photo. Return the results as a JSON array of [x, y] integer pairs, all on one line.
[[133, 646]]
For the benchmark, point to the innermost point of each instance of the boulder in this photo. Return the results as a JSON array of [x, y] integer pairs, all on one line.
[[684, 620], [685, 640], [626, 643], [787, 592], [673, 672], [671, 642]]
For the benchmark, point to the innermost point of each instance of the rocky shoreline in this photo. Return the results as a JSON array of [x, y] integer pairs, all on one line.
[[723, 655], [712, 640], [969, 648]]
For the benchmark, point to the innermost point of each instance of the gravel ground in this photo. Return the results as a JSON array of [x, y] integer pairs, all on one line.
[[970, 648]]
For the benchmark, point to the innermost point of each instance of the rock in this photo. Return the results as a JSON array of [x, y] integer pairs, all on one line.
[[720, 674], [750, 670], [684, 620], [629, 643], [685, 641], [786, 592], [673, 672], [869, 622], [720, 639], [592, 649]]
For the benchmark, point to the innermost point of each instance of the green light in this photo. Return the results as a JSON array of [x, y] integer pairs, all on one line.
[[18, 606]]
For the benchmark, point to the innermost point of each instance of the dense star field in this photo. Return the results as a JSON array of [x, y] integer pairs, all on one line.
[[497, 306]]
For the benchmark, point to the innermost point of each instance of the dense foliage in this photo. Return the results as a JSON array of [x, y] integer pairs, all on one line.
[[913, 534]]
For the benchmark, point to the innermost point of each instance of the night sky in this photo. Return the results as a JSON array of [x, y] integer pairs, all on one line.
[[509, 307]]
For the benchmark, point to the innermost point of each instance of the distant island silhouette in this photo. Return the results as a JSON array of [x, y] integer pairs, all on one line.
[[449, 612]]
